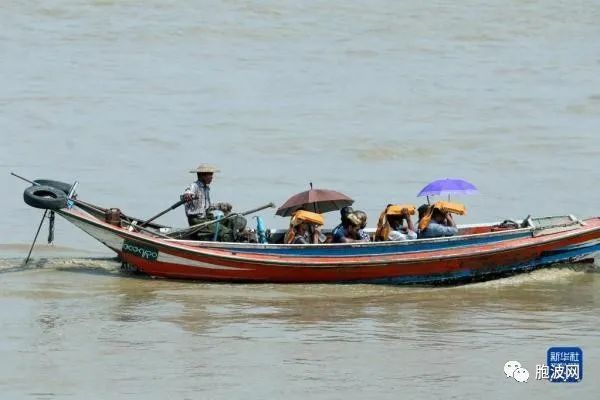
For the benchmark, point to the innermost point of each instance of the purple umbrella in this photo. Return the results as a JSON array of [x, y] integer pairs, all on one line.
[[448, 186]]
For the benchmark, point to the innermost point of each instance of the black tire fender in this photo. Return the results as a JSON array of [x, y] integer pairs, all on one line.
[[45, 197], [62, 186]]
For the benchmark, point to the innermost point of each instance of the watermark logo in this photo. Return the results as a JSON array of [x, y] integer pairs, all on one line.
[[564, 364], [514, 369], [521, 375]]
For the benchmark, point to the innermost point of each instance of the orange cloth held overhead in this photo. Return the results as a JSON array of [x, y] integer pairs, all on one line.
[[454, 208], [383, 225], [307, 216], [289, 236], [399, 209], [424, 222], [299, 217], [443, 206]]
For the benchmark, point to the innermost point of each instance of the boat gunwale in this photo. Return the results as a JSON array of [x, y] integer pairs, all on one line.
[[228, 245], [387, 243], [366, 260]]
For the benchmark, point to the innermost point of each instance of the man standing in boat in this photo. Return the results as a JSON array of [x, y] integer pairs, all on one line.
[[199, 209]]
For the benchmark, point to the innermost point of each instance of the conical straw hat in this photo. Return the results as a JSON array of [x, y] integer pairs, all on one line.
[[205, 169]]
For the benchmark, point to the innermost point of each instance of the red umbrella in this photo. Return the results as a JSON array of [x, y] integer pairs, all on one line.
[[315, 200]]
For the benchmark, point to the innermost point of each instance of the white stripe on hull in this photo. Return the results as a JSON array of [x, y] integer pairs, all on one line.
[[172, 259], [589, 243]]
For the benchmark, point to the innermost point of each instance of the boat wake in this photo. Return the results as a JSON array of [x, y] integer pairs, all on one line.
[[553, 274], [100, 265]]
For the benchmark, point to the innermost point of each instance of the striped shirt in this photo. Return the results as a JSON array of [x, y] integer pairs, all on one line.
[[201, 203]]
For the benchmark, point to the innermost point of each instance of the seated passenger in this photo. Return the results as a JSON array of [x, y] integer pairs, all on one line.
[[391, 223], [344, 211], [305, 228], [300, 233], [436, 223], [364, 236], [350, 231]]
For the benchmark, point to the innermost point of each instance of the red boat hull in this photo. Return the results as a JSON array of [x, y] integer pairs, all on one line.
[[451, 265], [431, 261]]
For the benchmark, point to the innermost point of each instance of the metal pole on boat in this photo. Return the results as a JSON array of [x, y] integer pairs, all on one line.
[[174, 206], [35, 238], [25, 179], [194, 228]]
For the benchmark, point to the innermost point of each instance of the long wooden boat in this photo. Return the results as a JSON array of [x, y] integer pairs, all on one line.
[[478, 252]]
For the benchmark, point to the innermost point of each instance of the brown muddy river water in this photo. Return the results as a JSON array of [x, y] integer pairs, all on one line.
[[80, 328], [374, 99]]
